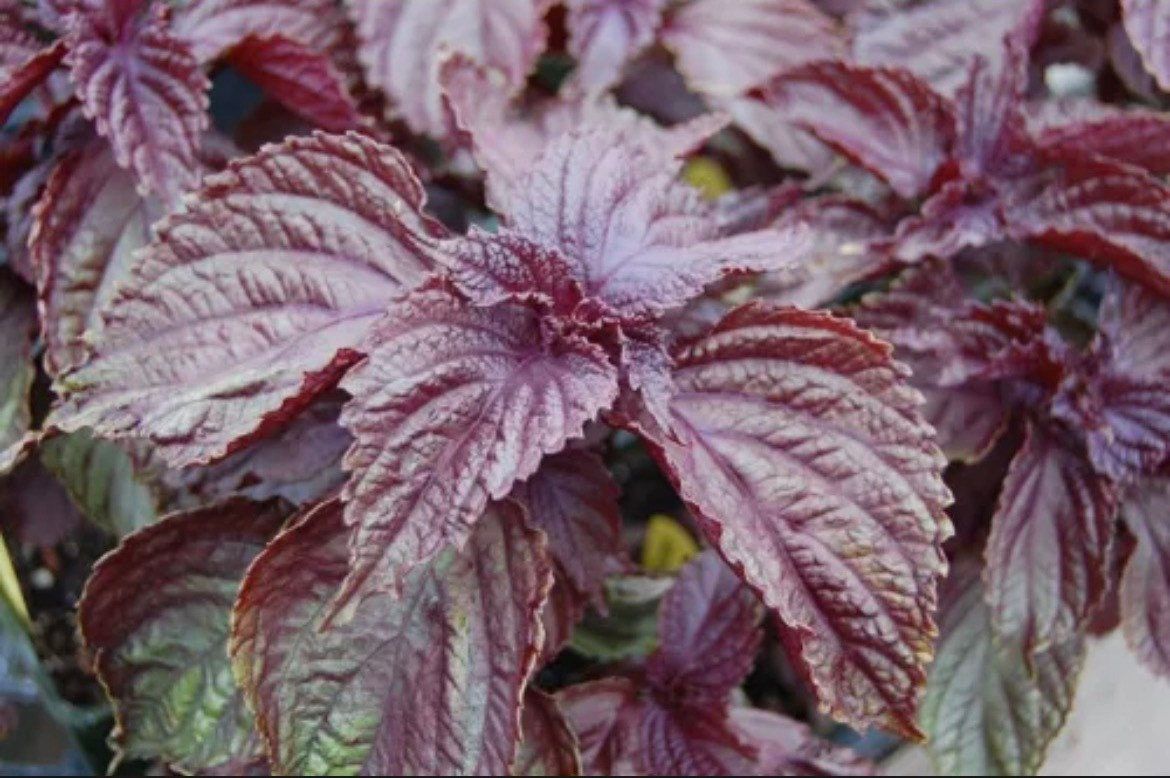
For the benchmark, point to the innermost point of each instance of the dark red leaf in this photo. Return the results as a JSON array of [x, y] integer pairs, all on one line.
[[1135, 136], [23, 78], [300, 78]]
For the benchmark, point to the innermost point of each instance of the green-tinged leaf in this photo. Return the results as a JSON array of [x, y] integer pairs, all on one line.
[[631, 628], [18, 318], [101, 479], [983, 712], [156, 615], [429, 683]]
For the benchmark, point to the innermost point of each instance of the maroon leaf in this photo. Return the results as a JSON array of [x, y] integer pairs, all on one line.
[[89, 221], [725, 50], [155, 615], [883, 119], [786, 747], [251, 301], [991, 127], [958, 216], [635, 238], [429, 683], [697, 742], [803, 456], [573, 499], [604, 35], [303, 80], [1049, 544], [1135, 136], [1102, 210], [34, 507], [1148, 25], [1145, 585], [452, 407], [403, 44], [19, 82], [605, 716], [144, 90], [548, 746], [18, 322], [213, 27], [709, 628], [506, 267], [938, 40]]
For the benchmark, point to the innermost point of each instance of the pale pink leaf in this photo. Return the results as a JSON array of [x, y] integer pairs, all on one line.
[[1145, 585], [255, 299], [1148, 24], [604, 35], [212, 27]]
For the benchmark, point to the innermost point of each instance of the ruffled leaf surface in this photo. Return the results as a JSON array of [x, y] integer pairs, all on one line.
[[252, 301], [801, 451], [155, 614], [452, 407], [144, 90], [431, 682], [402, 46], [1145, 584]]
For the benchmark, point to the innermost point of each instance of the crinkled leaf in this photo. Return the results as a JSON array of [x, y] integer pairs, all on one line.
[[102, 480], [726, 49], [938, 40], [984, 712], [1048, 547], [403, 44], [302, 79], [89, 221], [604, 716], [428, 683], [144, 90], [634, 237], [574, 500], [1148, 24], [452, 407], [1136, 136], [604, 35], [548, 746], [1104, 211], [252, 300], [691, 742], [497, 268], [18, 322], [1145, 584], [212, 27], [709, 632], [883, 119], [155, 613], [954, 218], [803, 455]]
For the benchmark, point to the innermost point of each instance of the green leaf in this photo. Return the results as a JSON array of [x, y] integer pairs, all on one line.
[[156, 614], [101, 480], [631, 628], [983, 712]]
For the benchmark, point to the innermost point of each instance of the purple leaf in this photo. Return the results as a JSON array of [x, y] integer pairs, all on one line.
[[1148, 25], [787, 747], [572, 498], [451, 408], [505, 267], [27, 75], [155, 615], [213, 27], [724, 50], [1135, 136], [1048, 547], [709, 632], [429, 683], [635, 238], [697, 742], [89, 221], [1145, 585], [144, 90], [604, 715], [938, 40], [992, 134], [302, 79], [883, 119], [548, 746], [802, 454], [402, 46], [605, 35], [254, 299], [772, 126]]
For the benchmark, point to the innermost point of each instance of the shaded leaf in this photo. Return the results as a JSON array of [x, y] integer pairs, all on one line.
[[403, 44], [802, 454], [300, 78], [1047, 552], [984, 712], [428, 683], [629, 629], [452, 407], [252, 301], [787, 747], [27, 75], [155, 614], [144, 90], [34, 508], [548, 746], [604, 35], [212, 27], [1148, 24], [604, 715], [18, 322]]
